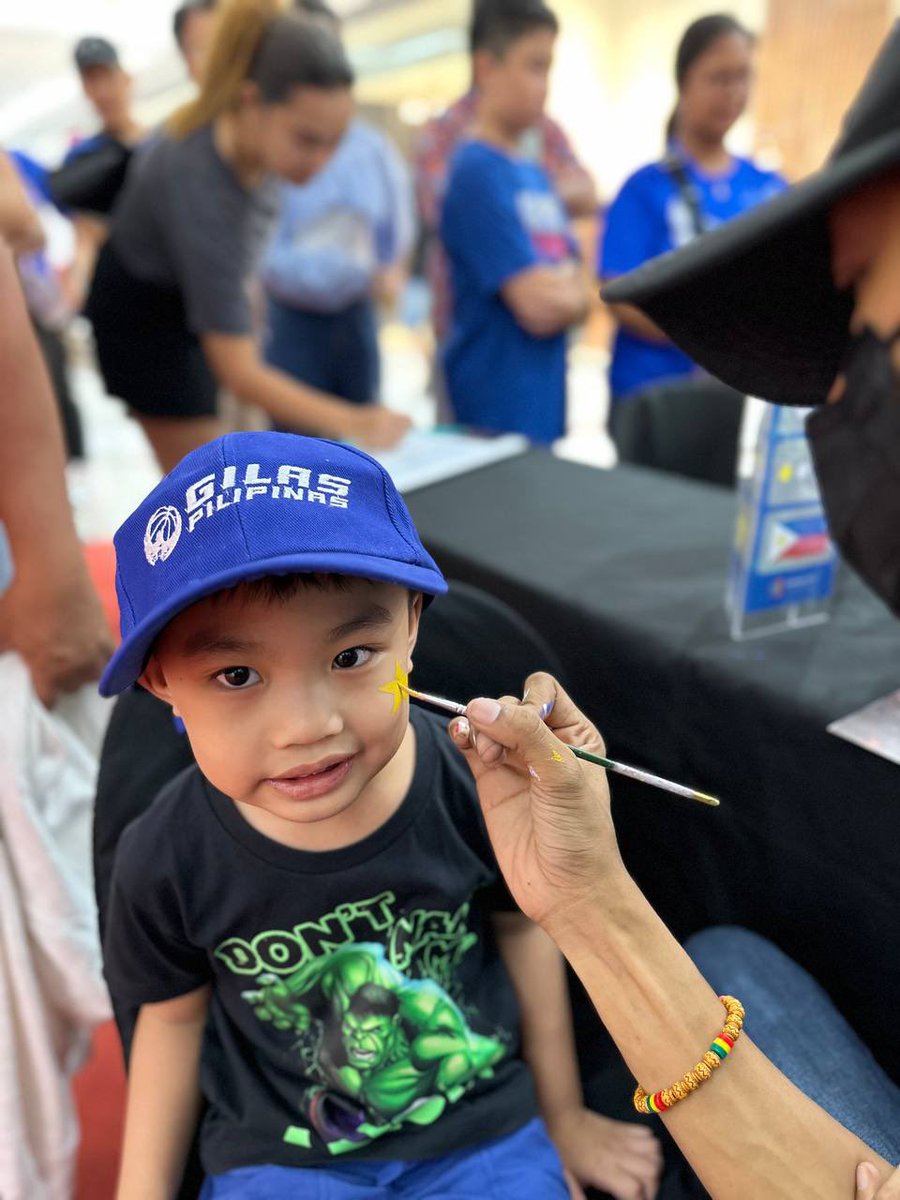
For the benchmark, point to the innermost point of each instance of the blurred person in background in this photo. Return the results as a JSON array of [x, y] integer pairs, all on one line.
[[664, 205], [22, 196], [107, 86], [517, 284], [193, 26], [108, 89], [49, 612], [169, 304], [342, 245], [544, 143]]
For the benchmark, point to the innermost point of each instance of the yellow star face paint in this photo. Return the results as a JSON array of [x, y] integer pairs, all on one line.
[[397, 686]]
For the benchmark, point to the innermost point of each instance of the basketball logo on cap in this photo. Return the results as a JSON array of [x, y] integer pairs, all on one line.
[[163, 532]]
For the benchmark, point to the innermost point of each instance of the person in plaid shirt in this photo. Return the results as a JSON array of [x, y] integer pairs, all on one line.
[[546, 143]]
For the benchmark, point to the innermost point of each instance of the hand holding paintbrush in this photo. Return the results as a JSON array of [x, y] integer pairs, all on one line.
[[599, 760]]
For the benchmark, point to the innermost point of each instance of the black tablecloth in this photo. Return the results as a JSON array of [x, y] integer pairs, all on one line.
[[624, 572]]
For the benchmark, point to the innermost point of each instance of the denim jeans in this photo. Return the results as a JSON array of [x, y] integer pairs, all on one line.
[[522, 1166], [337, 352], [794, 1023]]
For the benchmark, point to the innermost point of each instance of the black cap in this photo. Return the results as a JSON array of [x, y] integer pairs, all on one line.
[[753, 301], [95, 52]]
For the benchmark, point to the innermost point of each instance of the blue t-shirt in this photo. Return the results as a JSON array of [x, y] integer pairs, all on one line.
[[500, 217], [649, 217]]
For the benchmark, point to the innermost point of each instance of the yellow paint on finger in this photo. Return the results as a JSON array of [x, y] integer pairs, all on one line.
[[397, 686], [556, 757]]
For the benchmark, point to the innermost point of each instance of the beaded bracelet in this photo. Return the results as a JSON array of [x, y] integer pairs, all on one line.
[[721, 1047]]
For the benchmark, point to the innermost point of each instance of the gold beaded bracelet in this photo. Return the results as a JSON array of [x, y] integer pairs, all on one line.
[[718, 1051]]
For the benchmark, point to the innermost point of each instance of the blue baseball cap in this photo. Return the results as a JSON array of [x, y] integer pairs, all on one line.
[[254, 504]]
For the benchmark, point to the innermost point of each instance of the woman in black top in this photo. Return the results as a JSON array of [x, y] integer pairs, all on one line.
[[169, 302]]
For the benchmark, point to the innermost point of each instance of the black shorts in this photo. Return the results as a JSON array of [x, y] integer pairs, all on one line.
[[147, 355]]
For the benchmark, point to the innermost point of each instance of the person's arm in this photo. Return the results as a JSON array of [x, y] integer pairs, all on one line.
[[573, 182], [50, 614], [547, 300], [20, 225], [634, 231], [90, 234], [235, 362], [748, 1131], [575, 188], [635, 321], [163, 1096], [623, 1160]]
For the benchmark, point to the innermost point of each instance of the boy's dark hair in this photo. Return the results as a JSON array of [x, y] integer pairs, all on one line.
[[497, 24], [181, 15], [274, 589]]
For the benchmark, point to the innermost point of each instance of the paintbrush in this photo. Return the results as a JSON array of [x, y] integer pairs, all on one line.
[[609, 763]]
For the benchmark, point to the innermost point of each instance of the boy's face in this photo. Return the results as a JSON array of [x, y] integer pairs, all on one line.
[[514, 86], [281, 700]]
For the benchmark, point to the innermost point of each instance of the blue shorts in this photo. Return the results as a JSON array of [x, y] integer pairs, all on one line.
[[518, 1167]]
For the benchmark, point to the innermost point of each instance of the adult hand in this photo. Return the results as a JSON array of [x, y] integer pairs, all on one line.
[[547, 812], [868, 1184], [378, 428], [54, 621], [620, 1158]]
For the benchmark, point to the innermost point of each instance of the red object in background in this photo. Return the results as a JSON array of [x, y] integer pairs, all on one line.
[[100, 1085], [101, 563], [100, 1095]]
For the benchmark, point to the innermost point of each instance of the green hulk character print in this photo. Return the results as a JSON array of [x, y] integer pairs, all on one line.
[[390, 1050]]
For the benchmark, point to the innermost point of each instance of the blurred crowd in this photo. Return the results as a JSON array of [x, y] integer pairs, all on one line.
[[251, 246]]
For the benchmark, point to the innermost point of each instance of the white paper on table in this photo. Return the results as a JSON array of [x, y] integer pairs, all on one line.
[[427, 456], [876, 727]]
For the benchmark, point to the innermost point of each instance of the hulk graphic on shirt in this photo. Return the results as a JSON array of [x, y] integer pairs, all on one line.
[[390, 1050]]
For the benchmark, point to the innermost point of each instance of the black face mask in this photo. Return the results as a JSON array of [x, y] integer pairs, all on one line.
[[855, 445]]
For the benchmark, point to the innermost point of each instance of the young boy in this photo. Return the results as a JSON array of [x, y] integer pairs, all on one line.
[[309, 918], [516, 282]]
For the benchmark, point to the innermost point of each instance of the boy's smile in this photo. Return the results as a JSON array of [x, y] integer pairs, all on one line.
[[281, 699]]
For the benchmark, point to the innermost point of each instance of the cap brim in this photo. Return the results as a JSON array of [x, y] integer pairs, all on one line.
[[753, 301], [127, 663]]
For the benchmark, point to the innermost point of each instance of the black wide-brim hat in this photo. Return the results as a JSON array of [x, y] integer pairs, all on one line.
[[753, 300]]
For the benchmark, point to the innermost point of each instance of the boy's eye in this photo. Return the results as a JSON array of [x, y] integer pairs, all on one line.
[[354, 657], [238, 677]]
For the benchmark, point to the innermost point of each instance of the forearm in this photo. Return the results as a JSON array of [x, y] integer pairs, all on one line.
[[34, 505], [546, 301], [748, 1131], [289, 403], [90, 234], [636, 322], [163, 1105], [20, 225], [538, 974], [577, 192]]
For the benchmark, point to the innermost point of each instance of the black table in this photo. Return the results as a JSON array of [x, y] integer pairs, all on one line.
[[624, 573]]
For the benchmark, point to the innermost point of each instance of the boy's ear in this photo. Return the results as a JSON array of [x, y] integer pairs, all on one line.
[[482, 61], [154, 680], [415, 614]]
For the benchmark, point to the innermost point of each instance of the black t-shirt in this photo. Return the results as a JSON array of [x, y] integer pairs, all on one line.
[[359, 1002]]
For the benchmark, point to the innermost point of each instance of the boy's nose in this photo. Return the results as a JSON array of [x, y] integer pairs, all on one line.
[[304, 717]]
